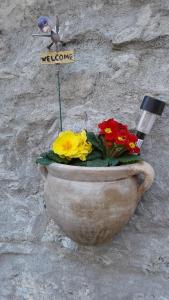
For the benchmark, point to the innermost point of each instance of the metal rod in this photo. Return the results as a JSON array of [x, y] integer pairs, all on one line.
[[59, 98]]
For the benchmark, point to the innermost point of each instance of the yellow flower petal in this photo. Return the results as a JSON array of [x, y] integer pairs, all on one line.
[[72, 145]]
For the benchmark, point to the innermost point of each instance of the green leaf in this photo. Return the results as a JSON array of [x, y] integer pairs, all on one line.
[[113, 161], [98, 163], [56, 158], [78, 162], [95, 141], [94, 155], [44, 161], [129, 158], [44, 154]]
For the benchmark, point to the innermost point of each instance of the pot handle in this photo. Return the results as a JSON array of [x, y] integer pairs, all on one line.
[[43, 171], [149, 175]]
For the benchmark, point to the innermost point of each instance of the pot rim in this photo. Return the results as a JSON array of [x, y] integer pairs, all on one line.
[[94, 174]]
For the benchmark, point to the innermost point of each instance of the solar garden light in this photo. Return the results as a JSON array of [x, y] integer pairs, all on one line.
[[151, 108]]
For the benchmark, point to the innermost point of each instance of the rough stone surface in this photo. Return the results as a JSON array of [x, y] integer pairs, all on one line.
[[122, 53]]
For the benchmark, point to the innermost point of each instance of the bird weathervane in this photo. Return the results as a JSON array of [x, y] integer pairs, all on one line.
[[58, 56]]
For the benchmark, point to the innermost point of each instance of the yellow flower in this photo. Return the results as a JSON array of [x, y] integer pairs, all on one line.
[[72, 145]]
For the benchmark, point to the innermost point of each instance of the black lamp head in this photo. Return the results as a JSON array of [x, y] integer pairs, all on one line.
[[153, 105]]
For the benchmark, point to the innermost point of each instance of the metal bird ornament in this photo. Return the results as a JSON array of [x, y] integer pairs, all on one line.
[[45, 26], [58, 56]]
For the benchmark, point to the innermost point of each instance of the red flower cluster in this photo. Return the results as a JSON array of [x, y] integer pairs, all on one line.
[[116, 133]]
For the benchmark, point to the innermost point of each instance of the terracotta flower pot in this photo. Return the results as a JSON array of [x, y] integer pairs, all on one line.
[[92, 204]]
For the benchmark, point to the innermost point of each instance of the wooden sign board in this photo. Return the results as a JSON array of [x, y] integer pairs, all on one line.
[[60, 57]]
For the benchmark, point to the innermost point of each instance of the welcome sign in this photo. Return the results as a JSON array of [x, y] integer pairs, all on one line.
[[57, 57]]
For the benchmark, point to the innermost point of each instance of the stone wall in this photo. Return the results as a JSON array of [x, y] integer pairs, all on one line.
[[122, 54]]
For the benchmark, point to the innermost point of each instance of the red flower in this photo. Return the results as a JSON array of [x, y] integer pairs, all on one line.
[[132, 144], [107, 126], [109, 129], [122, 137], [116, 133]]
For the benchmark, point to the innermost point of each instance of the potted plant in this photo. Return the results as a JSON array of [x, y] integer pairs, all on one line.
[[91, 183]]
